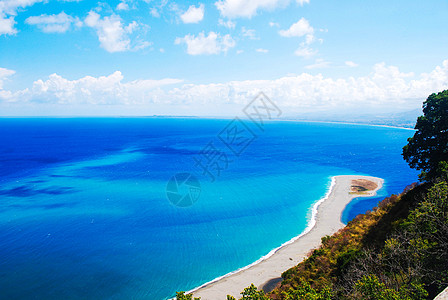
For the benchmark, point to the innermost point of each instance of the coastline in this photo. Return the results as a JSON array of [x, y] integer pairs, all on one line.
[[325, 220], [202, 117]]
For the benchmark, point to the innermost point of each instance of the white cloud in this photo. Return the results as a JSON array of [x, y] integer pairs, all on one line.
[[193, 14], [93, 90], [4, 74], [298, 29], [7, 25], [213, 43], [318, 64], [309, 39], [130, 28], [302, 2], [249, 8], [305, 52], [154, 12], [385, 88], [54, 23], [122, 6], [261, 50], [273, 24], [249, 33], [112, 33], [161, 7], [8, 10], [351, 64], [246, 8], [229, 24]]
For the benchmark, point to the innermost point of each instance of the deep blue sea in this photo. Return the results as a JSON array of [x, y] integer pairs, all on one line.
[[84, 212]]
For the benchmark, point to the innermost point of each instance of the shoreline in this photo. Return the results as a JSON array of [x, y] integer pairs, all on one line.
[[308, 228], [326, 213]]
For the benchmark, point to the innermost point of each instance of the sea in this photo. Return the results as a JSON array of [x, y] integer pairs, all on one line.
[[139, 208]]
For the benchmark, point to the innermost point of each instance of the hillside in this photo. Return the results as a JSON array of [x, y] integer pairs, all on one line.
[[395, 251]]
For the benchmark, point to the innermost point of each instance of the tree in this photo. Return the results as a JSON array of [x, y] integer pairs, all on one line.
[[252, 293], [370, 288], [427, 150], [182, 296], [304, 291]]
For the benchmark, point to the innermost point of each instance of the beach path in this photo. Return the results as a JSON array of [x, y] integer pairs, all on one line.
[[327, 221]]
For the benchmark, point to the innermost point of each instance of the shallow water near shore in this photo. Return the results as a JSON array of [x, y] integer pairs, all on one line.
[[84, 212]]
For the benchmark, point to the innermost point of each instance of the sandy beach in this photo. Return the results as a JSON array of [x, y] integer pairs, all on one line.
[[326, 221]]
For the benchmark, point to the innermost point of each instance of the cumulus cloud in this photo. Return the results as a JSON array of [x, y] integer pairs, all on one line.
[[8, 11], [298, 29], [113, 34], [261, 50], [386, 88], [7, 25], [193, 14], [213, 43], [54, 23], [91, 90]]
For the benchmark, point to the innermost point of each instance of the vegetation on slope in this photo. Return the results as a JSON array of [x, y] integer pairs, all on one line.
[[397, 251]]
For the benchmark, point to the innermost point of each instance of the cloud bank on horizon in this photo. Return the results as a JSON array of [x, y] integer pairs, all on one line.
[[386, 88], [196, 58]]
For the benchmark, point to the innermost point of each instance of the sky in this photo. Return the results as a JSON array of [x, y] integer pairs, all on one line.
[[210, 58]]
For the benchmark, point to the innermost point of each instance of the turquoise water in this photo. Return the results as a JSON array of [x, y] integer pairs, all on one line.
[[84, 212]]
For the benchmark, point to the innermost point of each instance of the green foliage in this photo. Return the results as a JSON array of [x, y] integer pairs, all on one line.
[[182, 296], [252, 293], [371, 288], [344, 260], [427, 227], [427, 150], [304, 291]]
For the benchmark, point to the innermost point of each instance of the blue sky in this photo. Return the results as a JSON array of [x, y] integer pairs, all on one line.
[[211, 57]]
